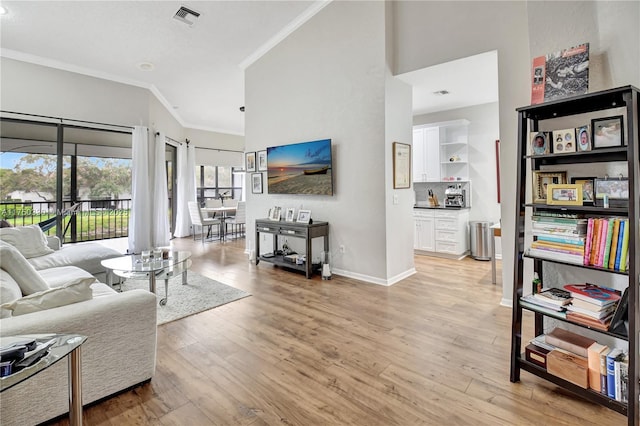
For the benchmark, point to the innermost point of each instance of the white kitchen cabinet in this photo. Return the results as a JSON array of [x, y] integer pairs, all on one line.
[[424, 230], [426, 155], [441, 232], [454, 151]]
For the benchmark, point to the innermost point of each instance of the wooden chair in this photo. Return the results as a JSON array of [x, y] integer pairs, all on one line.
[[198, 220]]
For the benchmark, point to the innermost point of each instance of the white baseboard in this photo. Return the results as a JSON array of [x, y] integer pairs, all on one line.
[[375, 280]]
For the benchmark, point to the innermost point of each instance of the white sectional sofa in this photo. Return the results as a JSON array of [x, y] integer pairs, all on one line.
[[49, 294]]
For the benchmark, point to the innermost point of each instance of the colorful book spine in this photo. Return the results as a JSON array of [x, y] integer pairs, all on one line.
[[614, 243], [587, 247], [607, 245], [623, 226], [603, 371], [556, 248], [578, 241], [625, 247], [611, 374], [595, 244], [603, 238]]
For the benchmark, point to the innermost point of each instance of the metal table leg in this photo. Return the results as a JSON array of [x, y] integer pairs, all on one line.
[[75, 387]]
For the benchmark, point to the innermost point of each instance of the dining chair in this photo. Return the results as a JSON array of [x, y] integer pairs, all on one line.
[[198, 220], [239, 220]]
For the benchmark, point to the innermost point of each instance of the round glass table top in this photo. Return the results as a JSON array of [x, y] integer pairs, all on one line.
[[135, 263]]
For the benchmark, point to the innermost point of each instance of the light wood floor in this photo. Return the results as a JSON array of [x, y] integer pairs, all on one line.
[[432, 349]]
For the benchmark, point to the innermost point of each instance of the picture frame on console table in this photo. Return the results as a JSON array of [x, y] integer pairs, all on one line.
[[588, 193], [540, 182], [564, 195], [304, 216], [290, 215]]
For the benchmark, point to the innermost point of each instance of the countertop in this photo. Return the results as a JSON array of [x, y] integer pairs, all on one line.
[[441, 207]]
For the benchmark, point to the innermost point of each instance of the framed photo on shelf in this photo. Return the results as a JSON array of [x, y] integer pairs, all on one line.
[[304, 216], [564, 195], [275, 213], [262, 161], [583, 134], [250, 162], [616, 190], [587, 189], [401, 165], [290, 216], [256, 183], [607, 132], [541, 180], [539, 143], [564, 141]]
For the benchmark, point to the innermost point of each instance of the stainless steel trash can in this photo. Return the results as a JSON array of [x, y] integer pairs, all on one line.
[[480, 240]]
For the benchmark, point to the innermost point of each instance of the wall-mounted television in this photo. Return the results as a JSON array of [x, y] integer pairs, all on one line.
[[300, 168]]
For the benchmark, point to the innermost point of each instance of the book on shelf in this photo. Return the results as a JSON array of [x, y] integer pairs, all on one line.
[[589, 306], [557, 219], [588, 240], [622, 379], [595, 244], [614, 244], [625, 248], [575, 259], [617, 372], [569, 341], [556, 238], [593, 358], [557, 247], [593, 293], [611, 373], [623, 226], [605, 312], [607, 244], [550, 310], [598, 324], [603, 238], [603, 370], [554, 296]]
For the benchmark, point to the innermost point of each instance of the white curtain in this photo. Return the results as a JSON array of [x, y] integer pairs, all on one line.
[[186, 189], [160, 199], [139, 229]]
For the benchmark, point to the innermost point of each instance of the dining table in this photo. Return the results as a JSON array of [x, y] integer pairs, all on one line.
[[221, 213]]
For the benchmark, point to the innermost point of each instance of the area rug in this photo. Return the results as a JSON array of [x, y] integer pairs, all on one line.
[[199, 294]]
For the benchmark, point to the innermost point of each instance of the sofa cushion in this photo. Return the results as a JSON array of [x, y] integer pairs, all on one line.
[[86, 256], [102, 290], [25, 275], [9, 291], [77, 290], [29, 240], [56, 277]]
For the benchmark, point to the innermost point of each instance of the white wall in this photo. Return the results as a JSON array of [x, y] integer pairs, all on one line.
[[327, 80], [484, 130]]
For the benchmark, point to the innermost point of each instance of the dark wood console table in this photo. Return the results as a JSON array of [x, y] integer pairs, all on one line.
[[308, 231]]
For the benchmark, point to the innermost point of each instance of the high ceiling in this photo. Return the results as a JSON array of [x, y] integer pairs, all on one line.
[[197, 71]]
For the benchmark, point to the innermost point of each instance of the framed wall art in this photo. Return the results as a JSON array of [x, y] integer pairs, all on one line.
[[565, 195], [588, 194], [607, 132], [256, 183], [250, 162], [262, 161], [401, 165], [541, 180]]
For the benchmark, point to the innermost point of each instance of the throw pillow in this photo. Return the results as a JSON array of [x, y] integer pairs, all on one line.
[[29, 240], [9, 291], [74, 291], [21, 270]]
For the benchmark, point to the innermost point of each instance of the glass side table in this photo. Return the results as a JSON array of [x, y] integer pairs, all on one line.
[[64, 345]]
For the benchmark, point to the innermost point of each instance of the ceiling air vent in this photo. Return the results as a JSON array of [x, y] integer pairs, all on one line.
[[186, 15]]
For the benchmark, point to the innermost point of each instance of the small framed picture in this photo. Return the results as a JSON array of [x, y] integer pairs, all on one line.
[[565, 195], [291, 215], [607, 132], [541, 180], [564, 141], [262, 161], [583, 134], [256, 183], [304, 216], [588, 194], [275, 213], [616, 190], [250, 163], [539, 143]]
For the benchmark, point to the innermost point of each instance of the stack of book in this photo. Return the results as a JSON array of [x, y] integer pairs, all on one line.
[[607, 243], [592, 305], [552, 301], [559, 237]]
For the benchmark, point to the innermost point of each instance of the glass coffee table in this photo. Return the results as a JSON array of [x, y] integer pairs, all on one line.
[[133, 267], [59, 347]]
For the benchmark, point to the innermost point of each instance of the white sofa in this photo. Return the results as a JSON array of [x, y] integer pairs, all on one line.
[[119, 353]]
